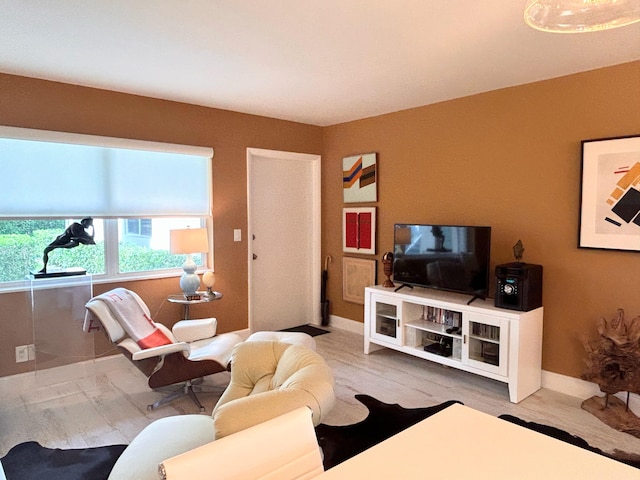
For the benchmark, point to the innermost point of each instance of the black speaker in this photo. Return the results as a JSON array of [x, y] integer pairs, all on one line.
[[519, 286]]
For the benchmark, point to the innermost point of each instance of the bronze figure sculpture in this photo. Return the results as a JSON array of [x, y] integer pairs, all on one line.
[[74, 235]]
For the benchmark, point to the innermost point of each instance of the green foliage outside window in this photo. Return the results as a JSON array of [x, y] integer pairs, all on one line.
[[22, 253], [134, 258], [29, 226]]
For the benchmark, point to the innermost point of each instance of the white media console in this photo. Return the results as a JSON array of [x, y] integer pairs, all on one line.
[[497, 343]]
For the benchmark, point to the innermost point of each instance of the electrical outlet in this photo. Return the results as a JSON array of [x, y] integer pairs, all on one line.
[[237, 235], [22, 353]]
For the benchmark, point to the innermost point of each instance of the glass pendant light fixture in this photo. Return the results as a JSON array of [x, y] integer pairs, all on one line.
[[575, 16]]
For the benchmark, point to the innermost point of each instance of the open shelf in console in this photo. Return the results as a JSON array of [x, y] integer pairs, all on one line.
[[432, 338], [433, 329]]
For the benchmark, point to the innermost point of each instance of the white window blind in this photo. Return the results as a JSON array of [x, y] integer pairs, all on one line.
[[53, 174]]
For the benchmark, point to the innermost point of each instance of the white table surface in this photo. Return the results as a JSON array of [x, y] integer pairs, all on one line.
[[462, 443]]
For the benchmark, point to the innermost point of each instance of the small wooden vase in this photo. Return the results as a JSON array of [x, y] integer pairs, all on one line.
[[387, 267]]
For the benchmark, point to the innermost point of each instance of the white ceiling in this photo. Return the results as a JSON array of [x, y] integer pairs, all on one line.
[[320, 62]]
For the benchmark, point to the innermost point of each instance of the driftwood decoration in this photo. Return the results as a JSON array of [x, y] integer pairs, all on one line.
[[613, 363]]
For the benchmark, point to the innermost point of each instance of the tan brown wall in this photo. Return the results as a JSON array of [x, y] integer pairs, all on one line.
[[32, 103], [509, 159]]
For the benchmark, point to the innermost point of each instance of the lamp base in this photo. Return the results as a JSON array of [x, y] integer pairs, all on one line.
[[190, 281]]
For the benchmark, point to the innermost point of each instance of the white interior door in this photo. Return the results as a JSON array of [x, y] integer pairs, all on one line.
[[283, 191]]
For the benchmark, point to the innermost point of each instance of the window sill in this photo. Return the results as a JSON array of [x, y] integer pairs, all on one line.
[[22, 286]]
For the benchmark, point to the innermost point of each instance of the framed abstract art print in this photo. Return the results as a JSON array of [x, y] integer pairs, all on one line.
[[610, 194]]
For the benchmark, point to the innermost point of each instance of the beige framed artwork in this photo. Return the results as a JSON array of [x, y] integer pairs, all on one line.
[[357, 273]]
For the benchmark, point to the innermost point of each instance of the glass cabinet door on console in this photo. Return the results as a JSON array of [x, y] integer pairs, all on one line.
[[486, 340], [385, 319]]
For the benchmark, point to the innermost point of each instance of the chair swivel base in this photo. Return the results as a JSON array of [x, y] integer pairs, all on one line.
[[186, 389]]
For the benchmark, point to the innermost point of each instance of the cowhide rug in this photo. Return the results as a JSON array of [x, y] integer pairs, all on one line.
[[30, 461], [339, 443], [624, 457], [384, 420]]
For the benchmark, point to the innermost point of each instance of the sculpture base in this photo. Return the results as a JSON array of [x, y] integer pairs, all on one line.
[[615, 414], [59, 272], [388, 283]]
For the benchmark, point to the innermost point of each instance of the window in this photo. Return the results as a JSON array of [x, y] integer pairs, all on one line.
[[138, 226], [149, 251], [22, 244], [135, 191], [137, 230]]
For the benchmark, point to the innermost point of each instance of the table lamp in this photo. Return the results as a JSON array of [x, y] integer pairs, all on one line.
[[189, 241], [209, 279]]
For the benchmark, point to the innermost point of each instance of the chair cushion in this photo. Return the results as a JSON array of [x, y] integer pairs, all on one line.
[[133, 315], [218, 348], [162, 439], [269, 379], [295, 338], [193, 330], [252, 367], [101, 312]]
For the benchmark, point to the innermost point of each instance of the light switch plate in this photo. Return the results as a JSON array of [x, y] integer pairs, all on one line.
[[237, 235], [22, 353]]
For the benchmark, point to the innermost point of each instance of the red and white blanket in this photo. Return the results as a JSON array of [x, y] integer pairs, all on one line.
[[133, 318]]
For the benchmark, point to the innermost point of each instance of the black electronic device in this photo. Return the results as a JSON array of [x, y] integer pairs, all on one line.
[[519, 286], [444, 257], [443, 348]]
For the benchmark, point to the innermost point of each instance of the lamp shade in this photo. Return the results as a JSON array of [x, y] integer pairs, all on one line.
[[189, 240], [575, 16], [209, 279]]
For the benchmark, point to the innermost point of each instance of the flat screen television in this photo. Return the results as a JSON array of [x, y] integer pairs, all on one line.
[[445, 257]]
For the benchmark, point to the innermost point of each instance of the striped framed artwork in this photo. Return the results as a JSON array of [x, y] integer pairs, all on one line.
[[359, 178]]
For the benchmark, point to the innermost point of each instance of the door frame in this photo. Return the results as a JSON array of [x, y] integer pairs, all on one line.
[[315, 221]]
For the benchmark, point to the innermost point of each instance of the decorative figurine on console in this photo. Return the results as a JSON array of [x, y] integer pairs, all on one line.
[[518, 251], [74, 235], [387, 266]]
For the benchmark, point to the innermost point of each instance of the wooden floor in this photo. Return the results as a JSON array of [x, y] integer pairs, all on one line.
[[104, 402]]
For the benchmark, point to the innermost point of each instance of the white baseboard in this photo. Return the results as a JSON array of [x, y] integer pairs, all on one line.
[[582, 389], [346, 324], [568, 385], [572, 386]]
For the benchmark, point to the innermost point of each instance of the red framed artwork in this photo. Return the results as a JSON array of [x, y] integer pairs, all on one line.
[[359, 230]]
